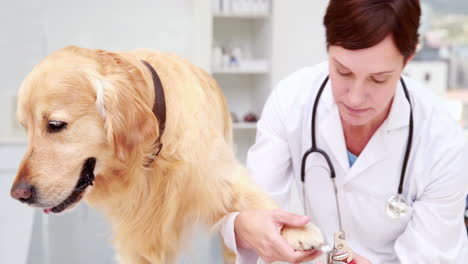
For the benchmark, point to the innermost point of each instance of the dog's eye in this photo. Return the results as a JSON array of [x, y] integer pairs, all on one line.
[[56, 126]]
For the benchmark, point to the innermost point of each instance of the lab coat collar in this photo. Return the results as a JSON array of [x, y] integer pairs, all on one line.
[[331, 129], [377, 148], [399, 112], [375, 151]]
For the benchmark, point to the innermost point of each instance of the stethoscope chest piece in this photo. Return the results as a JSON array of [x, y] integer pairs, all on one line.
[[396, 206]]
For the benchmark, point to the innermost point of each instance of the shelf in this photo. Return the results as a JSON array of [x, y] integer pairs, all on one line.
[[239, 71], [241, 15], [251, 67], [245, 125]]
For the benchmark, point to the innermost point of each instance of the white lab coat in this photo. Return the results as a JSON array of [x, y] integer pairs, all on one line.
[[435, 186]]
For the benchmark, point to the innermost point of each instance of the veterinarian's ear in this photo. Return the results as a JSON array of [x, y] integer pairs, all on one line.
[[123, 99]]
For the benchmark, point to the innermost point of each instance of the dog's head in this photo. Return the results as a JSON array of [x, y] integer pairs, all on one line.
[[87, 114]]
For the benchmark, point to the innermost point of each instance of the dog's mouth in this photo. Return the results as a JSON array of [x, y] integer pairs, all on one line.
[[86, 179]]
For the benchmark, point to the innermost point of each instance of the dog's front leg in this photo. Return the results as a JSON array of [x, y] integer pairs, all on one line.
[[246, 196]]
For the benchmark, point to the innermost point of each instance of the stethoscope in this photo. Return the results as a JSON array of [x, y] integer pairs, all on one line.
[[396, 206]]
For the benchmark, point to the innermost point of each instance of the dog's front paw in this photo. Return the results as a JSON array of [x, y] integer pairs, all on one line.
[[303, 238]]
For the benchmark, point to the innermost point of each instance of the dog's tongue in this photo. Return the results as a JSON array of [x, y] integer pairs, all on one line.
[[47, 210]]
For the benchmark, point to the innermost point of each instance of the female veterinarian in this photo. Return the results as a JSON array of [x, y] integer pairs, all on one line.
[[376, 155]]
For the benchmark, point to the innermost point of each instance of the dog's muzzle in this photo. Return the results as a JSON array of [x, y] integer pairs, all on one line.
[[86, 179]]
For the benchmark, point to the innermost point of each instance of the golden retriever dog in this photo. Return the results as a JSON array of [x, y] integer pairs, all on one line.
[[155, 164]]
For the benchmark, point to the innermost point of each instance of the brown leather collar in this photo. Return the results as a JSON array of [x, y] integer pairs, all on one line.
[[159, 108]]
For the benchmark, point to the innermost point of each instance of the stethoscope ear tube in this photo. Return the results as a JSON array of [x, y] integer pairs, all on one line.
[[312, 136], [303, 164], [410, 139], [324, 154], [314, 114]]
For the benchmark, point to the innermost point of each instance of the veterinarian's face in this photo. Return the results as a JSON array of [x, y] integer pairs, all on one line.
[[364, 81], [65, 137]]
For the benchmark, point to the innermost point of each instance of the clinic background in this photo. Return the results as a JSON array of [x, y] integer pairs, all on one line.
[[247, 45]]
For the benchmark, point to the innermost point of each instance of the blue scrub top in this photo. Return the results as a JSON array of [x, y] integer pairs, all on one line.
[[351, 158]]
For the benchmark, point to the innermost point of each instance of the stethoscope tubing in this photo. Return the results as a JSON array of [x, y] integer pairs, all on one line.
[[315, 149]]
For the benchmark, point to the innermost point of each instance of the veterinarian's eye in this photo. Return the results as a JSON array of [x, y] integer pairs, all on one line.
[[56, 126]]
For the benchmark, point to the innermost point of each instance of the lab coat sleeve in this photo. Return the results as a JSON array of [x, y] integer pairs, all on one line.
[[269, 159], [269, 164], [436, 232]]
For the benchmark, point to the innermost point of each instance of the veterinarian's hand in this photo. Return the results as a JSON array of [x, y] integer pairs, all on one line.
[[260, 231]]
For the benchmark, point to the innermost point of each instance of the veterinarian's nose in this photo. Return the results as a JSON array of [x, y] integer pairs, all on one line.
[[23, 192]]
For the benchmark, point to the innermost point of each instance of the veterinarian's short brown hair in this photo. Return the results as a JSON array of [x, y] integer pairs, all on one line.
[[359, 24]]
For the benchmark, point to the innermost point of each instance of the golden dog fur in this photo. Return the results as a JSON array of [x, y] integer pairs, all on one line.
[[107, 99]]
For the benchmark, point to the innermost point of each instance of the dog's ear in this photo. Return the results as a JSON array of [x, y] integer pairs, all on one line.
[[123, 99]]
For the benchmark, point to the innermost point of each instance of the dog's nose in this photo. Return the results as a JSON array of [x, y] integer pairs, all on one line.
[[23, 192]]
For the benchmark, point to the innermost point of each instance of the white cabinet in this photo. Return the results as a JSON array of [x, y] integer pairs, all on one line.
[[274, 43], [241, 61]]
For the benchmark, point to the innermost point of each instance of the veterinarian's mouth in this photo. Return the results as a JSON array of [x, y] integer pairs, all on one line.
[[86, 179]]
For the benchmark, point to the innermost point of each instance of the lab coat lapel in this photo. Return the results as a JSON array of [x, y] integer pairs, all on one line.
[[332, 132], [389, 133], [375, 151]]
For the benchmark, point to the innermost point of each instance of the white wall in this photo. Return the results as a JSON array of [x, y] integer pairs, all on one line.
[[298, 35], [120, 24], [21, 46], [16, 220]]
